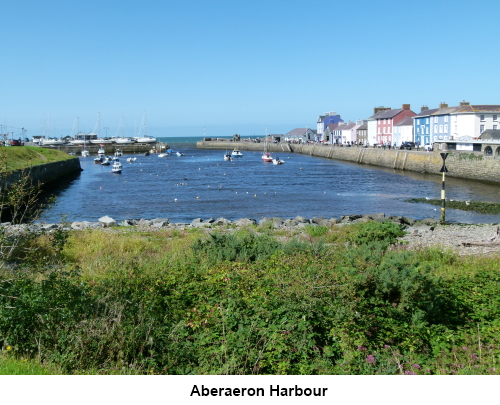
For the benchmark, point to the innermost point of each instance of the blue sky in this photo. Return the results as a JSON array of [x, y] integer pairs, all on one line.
[[237, 66]]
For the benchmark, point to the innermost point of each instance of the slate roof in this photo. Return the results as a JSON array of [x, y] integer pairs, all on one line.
[[332, 127], [297, 132], [377, 115], [490, 134], [426, 112], [407, 121], [446, 110], [478, 108], [388, 113], [364, 126]]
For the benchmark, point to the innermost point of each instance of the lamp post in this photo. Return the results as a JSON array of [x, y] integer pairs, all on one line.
[[443, 170]]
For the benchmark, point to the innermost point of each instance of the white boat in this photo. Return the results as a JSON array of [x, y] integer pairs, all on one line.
[[51, 142], [117, 167], [144, 138], [180, 154], [77, 142], [131, 159], [123, 141], [266, 156], [98, 160], [85, 153], [101, 151], [163, 154], [278, 161], [236, 153], [228, 157], [101, 141], [118, 152]]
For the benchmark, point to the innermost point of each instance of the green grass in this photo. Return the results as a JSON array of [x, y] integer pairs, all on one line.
[[330, 300], [22, 157], [12, 366]]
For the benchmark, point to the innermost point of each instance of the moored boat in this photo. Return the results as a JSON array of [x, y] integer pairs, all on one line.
[[116, 167], [236, 153]]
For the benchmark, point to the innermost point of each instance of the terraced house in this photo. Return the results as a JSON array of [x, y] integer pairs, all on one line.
[[386, 120], [422, 125]]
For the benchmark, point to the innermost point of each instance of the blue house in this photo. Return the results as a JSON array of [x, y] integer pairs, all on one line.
[[422, 125]]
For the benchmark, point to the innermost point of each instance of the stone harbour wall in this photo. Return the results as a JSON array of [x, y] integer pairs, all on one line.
[[466, 165]]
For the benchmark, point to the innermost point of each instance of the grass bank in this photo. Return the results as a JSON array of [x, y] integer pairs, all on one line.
[[325, 300], [22, 157]]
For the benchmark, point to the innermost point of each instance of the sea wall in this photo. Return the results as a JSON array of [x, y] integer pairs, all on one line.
[[46, 173], [469, 165]]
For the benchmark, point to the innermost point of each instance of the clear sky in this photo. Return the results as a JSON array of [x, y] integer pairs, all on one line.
[[238, 66]]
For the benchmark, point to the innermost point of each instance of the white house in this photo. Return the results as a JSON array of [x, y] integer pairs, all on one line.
[[403, 131]]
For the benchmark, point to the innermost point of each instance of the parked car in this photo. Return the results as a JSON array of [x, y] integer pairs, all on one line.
[[407, 145], [428, 147], [16, 142]]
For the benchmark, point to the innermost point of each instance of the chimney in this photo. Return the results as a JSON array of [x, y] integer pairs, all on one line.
[[333, 113], [378, 109], [443, 105], [406, 106], [424, 108], [464, 103]]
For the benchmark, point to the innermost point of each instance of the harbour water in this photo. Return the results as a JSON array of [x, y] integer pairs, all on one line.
[[203, 185]]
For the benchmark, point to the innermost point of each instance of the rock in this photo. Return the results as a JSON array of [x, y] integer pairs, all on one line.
[[245, 222], [222, 221], [300, 219], [429, 221], [345, 219], [265, 220], [290, 222], [163, 221], [144, 222], [47, 227], [127, 222], [107, 221], [304, 225], [407, 221]]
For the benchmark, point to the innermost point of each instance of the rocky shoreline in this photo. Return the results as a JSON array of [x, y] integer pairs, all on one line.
[[461, 238]]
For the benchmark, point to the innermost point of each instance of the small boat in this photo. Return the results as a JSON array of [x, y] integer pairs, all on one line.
[[147, 154], [118, 152], [101, 151], [180, 154], [122, 141], [115, 159], [228, 157], [131, 159], [117, 167], [85, 153], [51, 142], [266, 157], [106, 162], [236, 153], [163, 154], [98, 159], [278, 161]]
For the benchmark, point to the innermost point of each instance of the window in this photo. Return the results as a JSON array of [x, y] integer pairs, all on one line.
[[427, 120], [482, 117], [427, 130], [435, 129], [445, 118], [481, 129], [440, 129], [494, 127], [495, 117], [435, 120], [446, 129], [418, 130]]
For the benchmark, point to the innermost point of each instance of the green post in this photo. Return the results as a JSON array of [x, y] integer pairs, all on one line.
[[443, 192]]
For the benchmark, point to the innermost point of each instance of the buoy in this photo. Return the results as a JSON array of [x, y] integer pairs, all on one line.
[[175, 199], [255, 195], [197, 197]]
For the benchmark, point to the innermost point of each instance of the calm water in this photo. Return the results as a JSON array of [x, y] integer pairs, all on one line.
[[202, 185]]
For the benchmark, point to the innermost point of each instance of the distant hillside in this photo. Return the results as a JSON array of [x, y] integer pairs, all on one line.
[[20, 157]]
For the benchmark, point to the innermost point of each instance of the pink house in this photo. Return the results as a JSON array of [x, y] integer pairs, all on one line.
[[386, 121]]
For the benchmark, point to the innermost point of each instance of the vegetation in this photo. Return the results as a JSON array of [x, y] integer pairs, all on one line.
[[15, 158], [477, 206], [339, 300]]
